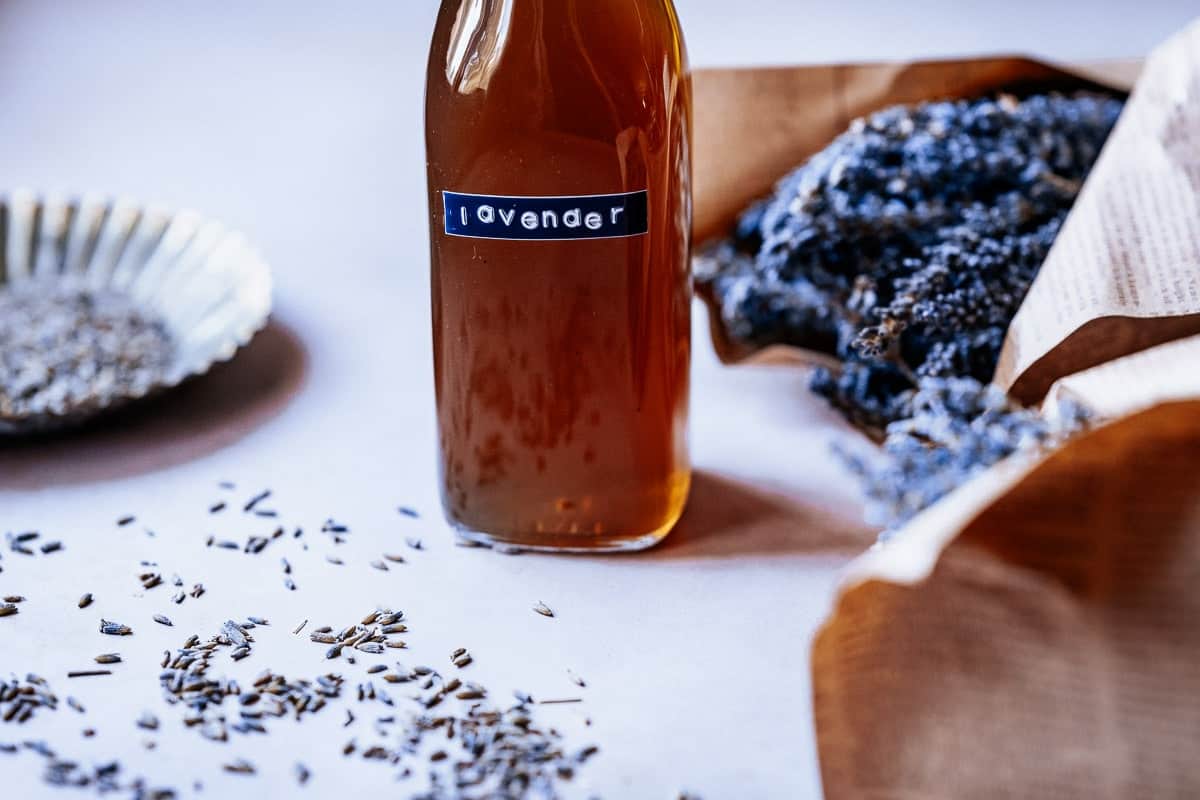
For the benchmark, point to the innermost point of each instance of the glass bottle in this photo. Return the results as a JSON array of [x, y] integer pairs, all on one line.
[[558, 143]]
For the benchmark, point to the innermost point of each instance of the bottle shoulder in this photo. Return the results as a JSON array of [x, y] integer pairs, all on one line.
[[564, 52], [574, 99]]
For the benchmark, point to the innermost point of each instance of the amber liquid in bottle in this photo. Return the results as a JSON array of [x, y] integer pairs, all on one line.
[[558, 136]]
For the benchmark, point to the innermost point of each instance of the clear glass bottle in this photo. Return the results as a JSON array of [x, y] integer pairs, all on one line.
[[558, 139]]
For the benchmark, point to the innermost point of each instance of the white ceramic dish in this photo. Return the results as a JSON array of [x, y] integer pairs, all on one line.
[[207, 283]]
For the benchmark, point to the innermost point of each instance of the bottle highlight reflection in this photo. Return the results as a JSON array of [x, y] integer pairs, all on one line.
[[558, 136]]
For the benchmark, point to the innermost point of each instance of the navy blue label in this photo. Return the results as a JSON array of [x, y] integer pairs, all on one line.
[[595, 216]]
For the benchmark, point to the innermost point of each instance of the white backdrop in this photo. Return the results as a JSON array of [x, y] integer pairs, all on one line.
[[769, 31], [301, 124]]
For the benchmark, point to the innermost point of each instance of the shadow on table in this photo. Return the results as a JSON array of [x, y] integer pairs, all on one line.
[[728, 518], [193, 420]]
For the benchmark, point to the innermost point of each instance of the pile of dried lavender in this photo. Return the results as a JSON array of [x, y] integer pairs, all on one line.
[[185, 681], [64, 348], [477, 752], [371, 636], [21, 699], [904, 249], [104, 778], [486, 752], [440, 732]]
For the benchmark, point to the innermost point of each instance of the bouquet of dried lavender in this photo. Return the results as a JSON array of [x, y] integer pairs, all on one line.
[[904, 249], [954, 429]]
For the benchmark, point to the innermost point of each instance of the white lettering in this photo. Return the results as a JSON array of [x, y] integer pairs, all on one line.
[[595, 216]]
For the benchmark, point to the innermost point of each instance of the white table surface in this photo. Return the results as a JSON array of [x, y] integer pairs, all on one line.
[[301, 124]]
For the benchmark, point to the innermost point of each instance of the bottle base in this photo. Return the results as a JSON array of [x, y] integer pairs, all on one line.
[[559, 543]]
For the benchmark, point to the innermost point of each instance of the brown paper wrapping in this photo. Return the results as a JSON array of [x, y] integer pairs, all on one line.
[[1036, 633], [1122, 275]]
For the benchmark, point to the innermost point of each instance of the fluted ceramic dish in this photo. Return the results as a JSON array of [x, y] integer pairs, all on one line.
[[208, 285]]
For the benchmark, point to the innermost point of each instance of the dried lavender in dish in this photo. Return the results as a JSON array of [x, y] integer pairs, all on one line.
[[104, 301]]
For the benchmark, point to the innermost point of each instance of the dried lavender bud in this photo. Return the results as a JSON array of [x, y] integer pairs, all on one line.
[[65, 348], [114, 628], [105, 778]]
